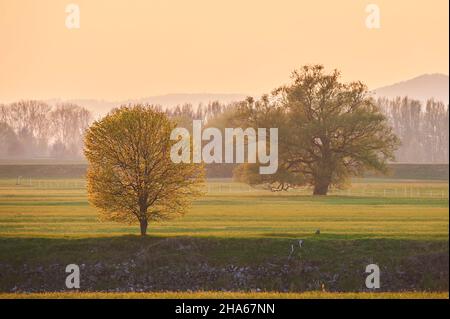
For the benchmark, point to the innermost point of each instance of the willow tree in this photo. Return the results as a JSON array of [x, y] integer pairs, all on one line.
[[329, 131], [131, 177]]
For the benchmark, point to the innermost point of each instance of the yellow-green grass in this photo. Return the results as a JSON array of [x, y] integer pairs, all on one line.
[[227, 295], [424, 223], [50, 212], [63, 214], [241, 219], [52, 222]]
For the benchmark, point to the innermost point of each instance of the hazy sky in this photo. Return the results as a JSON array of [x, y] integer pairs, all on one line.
[[132, 49]]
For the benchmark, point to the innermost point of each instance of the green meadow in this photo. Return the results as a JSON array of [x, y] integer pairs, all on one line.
[[401, 225], [59, 208]]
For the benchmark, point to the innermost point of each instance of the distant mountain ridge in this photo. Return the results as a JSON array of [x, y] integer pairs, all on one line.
[[421, 88]]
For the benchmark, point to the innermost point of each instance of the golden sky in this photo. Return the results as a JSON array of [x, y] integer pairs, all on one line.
[[131, 48]]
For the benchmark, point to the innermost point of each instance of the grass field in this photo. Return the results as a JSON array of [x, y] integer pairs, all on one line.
[[52, 208], [233, 239]]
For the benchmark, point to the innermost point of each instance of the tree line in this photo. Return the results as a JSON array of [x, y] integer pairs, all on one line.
[[33, 129], [422, 129]]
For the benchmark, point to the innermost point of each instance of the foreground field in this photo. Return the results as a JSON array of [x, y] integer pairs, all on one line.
[[229, 295], [59, 208], [233, 239]]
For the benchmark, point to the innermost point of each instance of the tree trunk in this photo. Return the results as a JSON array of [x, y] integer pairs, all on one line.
[[321, 186], [143, 225]]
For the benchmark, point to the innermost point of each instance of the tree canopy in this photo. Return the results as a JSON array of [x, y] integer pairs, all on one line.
[[131, 177], [328, 131]]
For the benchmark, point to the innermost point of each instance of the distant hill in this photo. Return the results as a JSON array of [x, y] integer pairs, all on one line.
[[420, 88], [101, 107]]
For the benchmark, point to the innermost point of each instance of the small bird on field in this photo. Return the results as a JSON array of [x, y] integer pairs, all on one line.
[[318, 232]]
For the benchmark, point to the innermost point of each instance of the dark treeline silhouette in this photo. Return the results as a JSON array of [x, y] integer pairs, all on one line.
[[33, 129]]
